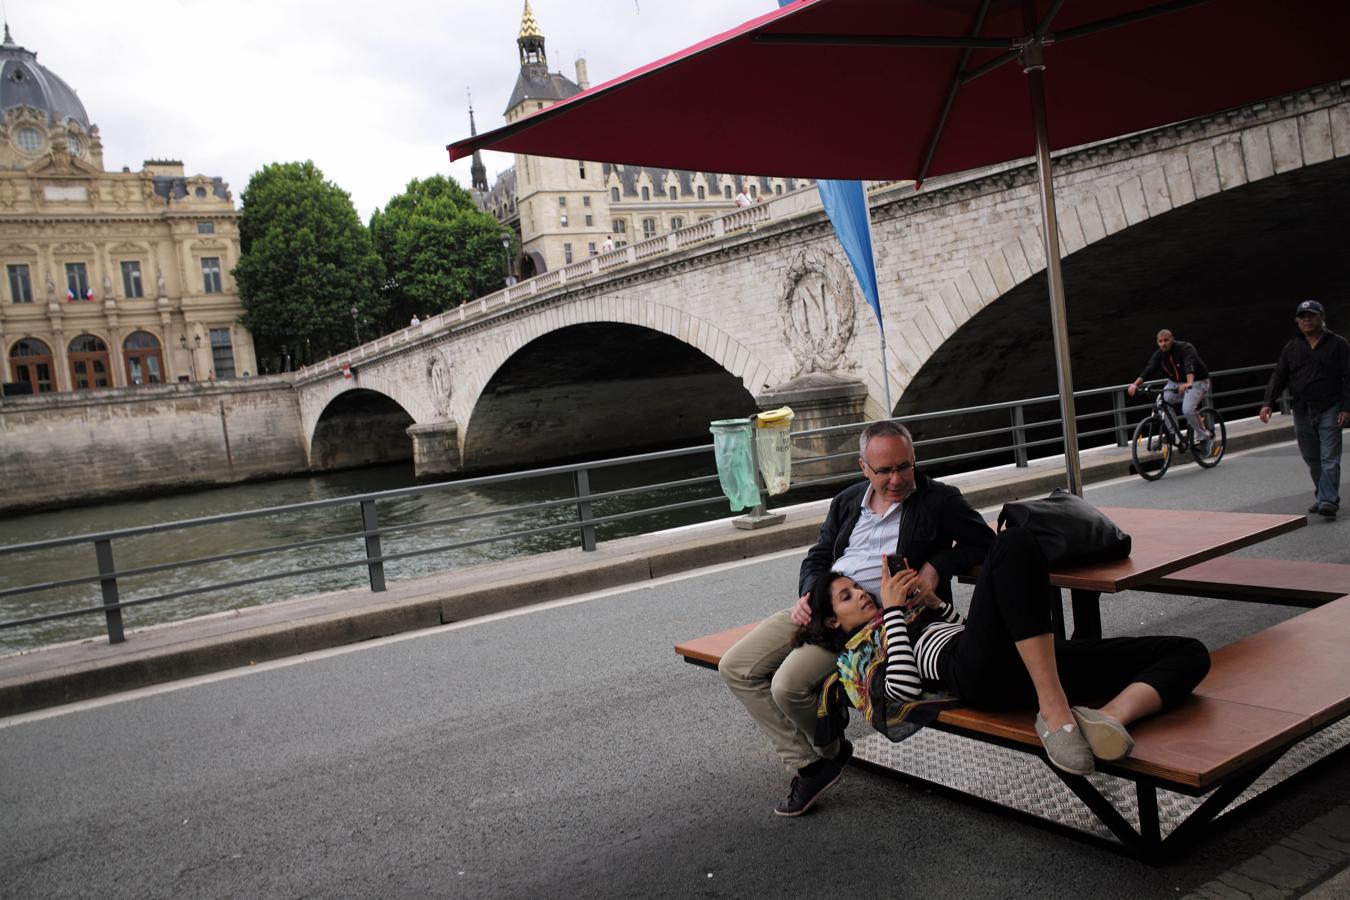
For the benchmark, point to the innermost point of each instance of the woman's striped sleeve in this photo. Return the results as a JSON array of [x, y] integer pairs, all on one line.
[[902, 674]]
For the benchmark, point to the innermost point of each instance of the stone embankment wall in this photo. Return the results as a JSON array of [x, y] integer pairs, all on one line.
[[73, 447]]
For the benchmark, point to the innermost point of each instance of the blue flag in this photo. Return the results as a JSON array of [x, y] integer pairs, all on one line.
[[846, 205]]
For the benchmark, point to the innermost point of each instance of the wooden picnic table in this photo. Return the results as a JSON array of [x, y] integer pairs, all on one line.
[[1163, 541]]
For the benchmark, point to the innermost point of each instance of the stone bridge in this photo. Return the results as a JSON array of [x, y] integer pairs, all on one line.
[[1213, 228]]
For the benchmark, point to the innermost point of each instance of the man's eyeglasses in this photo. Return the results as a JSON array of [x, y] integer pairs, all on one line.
[[888, 471]]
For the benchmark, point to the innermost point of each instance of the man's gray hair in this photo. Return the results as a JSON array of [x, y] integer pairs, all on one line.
[[884, 428]]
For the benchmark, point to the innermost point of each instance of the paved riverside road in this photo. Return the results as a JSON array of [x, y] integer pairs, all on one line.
[[566, 751]]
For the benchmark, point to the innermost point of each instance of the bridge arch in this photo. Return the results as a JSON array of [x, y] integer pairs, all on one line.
[[1157, 247], [1224, 270], [360, 427], [602, 376]]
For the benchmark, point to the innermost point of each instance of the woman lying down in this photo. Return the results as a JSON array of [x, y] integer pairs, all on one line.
[[1004, 655]]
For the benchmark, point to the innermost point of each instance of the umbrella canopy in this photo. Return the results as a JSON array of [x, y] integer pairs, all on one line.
[[857, 88], [909, 89]]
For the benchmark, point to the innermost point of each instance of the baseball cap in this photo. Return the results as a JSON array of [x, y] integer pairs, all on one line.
[[1309, 307]]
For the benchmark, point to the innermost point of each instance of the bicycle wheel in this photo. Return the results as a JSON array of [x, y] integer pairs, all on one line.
[[1150, 448], [1214, 422]]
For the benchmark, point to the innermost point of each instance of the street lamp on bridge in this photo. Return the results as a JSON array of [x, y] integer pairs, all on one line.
[[506, 258]]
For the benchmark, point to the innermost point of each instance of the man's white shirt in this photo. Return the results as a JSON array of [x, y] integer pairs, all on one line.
[[872, 536]]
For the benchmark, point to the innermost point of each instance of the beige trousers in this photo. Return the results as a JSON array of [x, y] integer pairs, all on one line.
[[780, 686]]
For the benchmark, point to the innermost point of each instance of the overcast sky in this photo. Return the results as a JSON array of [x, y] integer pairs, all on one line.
[[372, 92]]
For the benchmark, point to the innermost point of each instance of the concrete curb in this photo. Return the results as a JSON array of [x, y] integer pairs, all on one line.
[[88, 669]]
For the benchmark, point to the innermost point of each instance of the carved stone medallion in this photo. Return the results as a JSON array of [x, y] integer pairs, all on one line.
[[818, 311], [438, 377]]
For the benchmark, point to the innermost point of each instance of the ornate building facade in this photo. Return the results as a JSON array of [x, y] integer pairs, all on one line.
[[566, 209], [111, 278]]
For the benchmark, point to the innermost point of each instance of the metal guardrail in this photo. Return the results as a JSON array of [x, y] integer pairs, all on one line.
[[1024, 444]]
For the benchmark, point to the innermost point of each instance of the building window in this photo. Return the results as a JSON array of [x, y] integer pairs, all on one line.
[[88, 363], [673, 194], [676, 223], [206, 227], [20, 284], [619, 226], [77, 282], [646, 194], [562, 219], [778, 189], [31, 362], [29, 139], [199, 193], [567, 253], [131, 280], [562, 201], [648, 228], [211, 274], [726, 192], [754, 192], [590, 248], [145, 362], [702, 194], [586, 200], [581, 169], [222, 353], [590, 220], [613, 195]]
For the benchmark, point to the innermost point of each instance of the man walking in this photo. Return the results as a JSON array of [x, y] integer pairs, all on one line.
[[898, 511], [1316, 369], [1187, 382]]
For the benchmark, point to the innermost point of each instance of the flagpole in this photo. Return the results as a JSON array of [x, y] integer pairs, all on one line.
[[871, 249]]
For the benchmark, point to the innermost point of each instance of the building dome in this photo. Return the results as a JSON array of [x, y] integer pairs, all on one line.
[[25, 83]]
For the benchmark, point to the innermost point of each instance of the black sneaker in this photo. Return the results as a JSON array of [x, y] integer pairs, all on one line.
[[1326, 510], [806, 789], [1315, 508]]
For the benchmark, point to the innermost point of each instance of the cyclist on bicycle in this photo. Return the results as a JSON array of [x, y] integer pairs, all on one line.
[[1187, 382]]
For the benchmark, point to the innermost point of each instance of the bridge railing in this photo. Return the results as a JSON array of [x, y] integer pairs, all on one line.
[[953, 439], [688, 236]]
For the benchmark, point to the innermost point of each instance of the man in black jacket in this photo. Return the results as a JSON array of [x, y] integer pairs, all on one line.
[[1316, 368], [898, 511], [1187, 381]]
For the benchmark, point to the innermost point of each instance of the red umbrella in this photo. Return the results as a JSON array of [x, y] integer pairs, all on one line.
[[909, 89]]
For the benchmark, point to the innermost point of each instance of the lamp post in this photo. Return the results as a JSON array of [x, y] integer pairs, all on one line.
[[506, 258], [356, 327], [192, 355]]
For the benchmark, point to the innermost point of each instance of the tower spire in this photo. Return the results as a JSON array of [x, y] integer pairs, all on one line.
[[477, 171], [531, 40]]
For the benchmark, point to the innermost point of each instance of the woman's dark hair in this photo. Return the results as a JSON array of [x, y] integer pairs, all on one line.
[[822, 608]]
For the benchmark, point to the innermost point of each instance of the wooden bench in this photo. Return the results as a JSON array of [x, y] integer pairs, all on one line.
[[1264, 694], [1282, 581]]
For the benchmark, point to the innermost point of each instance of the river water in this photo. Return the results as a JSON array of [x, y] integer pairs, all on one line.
[[180, 545]]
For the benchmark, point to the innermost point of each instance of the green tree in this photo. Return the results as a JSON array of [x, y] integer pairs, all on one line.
[[438, 248], [306, 263]]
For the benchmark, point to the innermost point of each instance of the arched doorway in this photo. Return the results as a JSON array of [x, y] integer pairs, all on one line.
[[145, 362], [89, 363], [30, 361]]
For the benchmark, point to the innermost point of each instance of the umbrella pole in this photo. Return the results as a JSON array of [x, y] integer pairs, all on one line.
[[1059, 317]]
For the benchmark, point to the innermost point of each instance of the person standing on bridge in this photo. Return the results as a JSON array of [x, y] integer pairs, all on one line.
[[897, 510], [1316, 369], [1187, 382]]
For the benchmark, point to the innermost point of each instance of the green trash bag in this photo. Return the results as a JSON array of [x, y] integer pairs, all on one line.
[[735, 462]]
